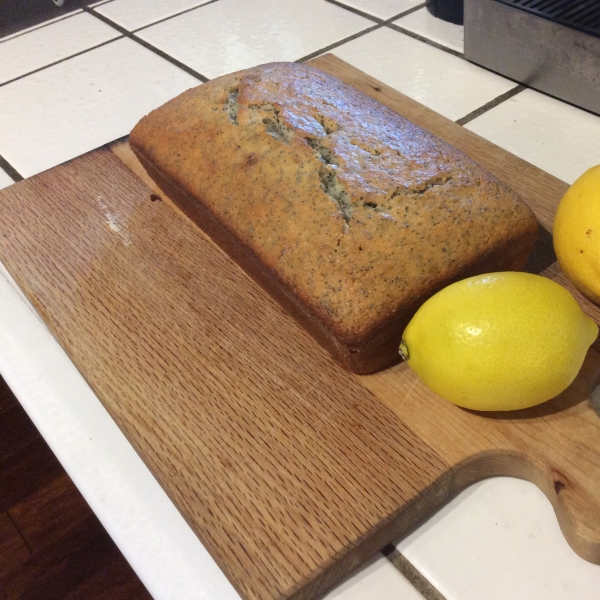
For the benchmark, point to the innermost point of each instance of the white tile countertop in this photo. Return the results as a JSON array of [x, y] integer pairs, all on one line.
[[80, 81]]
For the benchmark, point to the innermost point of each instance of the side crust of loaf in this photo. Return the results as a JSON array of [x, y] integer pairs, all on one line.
[[346, 213], [246, 258]]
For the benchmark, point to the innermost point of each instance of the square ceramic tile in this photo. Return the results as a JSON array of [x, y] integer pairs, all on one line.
[[384, 9], [79, 104], [229, 35], [46, 45], [556, 137], [133, 14], [378, 580], [500, 540], [441, 81], [5, 179], [426, 25]]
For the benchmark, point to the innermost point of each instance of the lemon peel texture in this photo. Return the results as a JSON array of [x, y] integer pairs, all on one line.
[[501, 341], [576, 234]]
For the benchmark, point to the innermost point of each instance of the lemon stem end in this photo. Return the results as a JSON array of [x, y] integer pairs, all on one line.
[[403, 350]]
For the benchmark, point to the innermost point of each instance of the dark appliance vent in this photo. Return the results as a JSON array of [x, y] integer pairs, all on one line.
[[583, 15]]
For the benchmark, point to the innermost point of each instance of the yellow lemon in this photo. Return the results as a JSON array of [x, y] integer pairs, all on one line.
[[501, 341], [577, 234]]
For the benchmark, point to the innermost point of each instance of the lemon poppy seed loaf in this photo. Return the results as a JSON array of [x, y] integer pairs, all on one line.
[[348, 214]]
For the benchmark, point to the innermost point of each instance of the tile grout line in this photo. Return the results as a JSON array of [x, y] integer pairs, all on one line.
[[10, 170], [405, 13], [122, 31], [414, 576], [187, 10], [383, 22], [356, 11], [339, 43], [491, 104], [147, 45], [131, 35], [100, 3], [61, 60], [379, 20], [427, 41]]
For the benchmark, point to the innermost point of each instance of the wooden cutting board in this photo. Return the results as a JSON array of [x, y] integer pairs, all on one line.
[[290, 470]]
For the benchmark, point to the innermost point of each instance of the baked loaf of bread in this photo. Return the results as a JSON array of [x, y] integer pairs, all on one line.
[[348, 214]]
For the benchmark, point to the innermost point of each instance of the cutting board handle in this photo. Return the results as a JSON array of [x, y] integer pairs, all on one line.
[[560, 454]]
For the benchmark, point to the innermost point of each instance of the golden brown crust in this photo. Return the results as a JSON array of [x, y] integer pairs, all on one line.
[[348, 213]]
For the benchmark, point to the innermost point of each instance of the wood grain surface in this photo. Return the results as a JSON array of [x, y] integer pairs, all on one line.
[[290, 470]]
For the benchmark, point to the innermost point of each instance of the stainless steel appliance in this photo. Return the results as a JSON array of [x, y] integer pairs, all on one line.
[[550, 45]]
